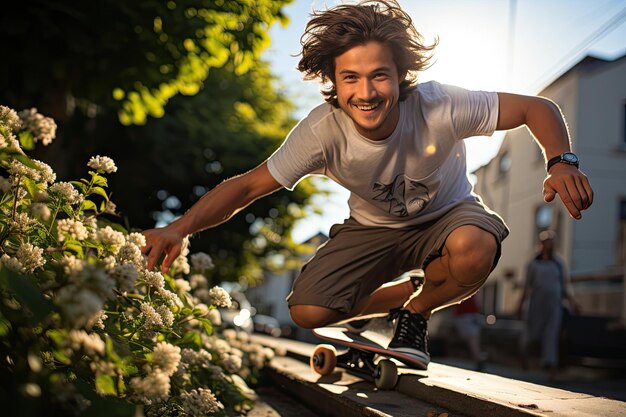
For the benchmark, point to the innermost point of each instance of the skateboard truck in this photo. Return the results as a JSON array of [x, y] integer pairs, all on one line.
[[384, 373]]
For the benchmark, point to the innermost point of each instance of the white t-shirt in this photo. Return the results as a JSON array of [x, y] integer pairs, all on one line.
[[413, 176]]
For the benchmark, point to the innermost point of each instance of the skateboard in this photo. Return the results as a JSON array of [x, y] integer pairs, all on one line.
[[360, 358]]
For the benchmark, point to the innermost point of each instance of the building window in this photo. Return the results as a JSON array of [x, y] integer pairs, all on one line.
[[543, 218]]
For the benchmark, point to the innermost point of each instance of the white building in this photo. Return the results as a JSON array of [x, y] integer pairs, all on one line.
[[592, 96]]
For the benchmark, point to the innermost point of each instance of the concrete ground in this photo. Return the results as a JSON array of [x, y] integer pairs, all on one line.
[[447, 388]]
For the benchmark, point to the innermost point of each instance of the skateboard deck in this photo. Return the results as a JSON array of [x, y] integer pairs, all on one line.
[[361, 355]]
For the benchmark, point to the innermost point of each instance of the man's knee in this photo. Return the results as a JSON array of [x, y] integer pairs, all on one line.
[[472, 252], [311, 316]]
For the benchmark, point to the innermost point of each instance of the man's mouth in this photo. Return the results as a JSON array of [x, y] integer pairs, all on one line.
[[366, 106]]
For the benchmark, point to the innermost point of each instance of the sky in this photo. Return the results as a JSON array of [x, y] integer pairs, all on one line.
[[517, 46]]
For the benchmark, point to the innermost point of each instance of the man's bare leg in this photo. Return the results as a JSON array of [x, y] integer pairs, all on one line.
[[465, 264]]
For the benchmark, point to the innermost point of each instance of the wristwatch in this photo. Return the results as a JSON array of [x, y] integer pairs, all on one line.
[[566, 157]]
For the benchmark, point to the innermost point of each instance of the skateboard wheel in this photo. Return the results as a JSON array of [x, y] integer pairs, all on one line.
[[324, 359], [386, 375]]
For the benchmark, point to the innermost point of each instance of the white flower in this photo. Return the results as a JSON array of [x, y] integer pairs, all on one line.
[[11, 263], [136, 239], [152, 389], [201, 358], [215, 317], [166, 315], [98, 321], [154, 279], [110, 207], [72, 228], [150, 315], [130, 252], [166, 357], [200, 402], [96, 279], [67, 191], [31, 257], [42, 196], [108, 262], [198, 281], [21, 222], [219, 297], [42, 128], [102, 163], [79, 305], [41, 211], [125, 276], [46, 174], [18, 169], [232, 363], [9, 118], [91, 343], [71, 264], [111, 238], [170, 298], [201, 261], [230, 334], [183, 285]]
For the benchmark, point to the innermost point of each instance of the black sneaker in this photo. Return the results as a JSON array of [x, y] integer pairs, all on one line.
[[410, 338]]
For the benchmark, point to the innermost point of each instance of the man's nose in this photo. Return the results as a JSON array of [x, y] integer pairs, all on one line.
[[366, 89]]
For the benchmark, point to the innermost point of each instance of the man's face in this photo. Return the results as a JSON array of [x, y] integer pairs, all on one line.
[[366, 79]]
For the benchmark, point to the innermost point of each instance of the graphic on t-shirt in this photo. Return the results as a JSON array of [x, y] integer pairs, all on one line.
[[404, 195]]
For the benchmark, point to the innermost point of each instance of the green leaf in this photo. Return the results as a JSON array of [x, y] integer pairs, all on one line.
[[82, 187], [75, 247], [27, 292], [31, 186], [191, 339], [88, 205], [105, 385], [99, 179], [100, 191], [25, 160], [61, 356], [208, 326], [27, 140]]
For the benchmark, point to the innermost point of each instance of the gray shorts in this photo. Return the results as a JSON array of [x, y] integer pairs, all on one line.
[[358, 259]]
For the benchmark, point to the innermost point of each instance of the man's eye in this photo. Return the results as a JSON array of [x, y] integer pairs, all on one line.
[[380, 76]]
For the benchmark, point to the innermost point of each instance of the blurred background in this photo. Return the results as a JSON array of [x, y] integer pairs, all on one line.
[[183, 94]]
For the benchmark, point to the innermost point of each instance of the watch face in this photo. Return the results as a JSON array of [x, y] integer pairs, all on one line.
[[570, 157]]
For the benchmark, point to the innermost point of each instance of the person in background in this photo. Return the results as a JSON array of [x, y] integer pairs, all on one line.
[[546, 288]]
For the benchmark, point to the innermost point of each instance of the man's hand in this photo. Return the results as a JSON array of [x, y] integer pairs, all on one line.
[[571, 185], [166, 240]]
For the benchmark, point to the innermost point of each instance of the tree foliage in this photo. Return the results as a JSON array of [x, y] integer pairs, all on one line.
[[133, 55], [101, 69]]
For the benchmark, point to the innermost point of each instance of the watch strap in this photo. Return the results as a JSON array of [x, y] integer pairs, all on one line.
[[559, 158]]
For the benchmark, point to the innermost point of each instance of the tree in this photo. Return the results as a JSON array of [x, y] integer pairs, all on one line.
[[101, 68]]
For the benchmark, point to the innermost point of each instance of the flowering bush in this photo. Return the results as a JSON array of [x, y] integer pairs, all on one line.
[[84, 327]]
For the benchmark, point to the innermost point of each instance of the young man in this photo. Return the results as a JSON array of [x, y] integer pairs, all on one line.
[[397, 146]]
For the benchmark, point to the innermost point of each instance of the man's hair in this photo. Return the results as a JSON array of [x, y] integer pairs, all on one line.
[[332, 32]]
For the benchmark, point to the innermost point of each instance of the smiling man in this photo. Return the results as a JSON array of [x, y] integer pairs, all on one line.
[[398, 147]]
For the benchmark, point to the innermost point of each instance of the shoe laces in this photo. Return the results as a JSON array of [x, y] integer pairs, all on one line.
[[411, 329]]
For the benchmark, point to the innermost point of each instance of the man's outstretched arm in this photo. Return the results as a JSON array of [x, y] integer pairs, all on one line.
[[215, 207], [544, 119]]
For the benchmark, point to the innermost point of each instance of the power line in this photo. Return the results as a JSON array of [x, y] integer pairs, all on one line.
[[574, 53]]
